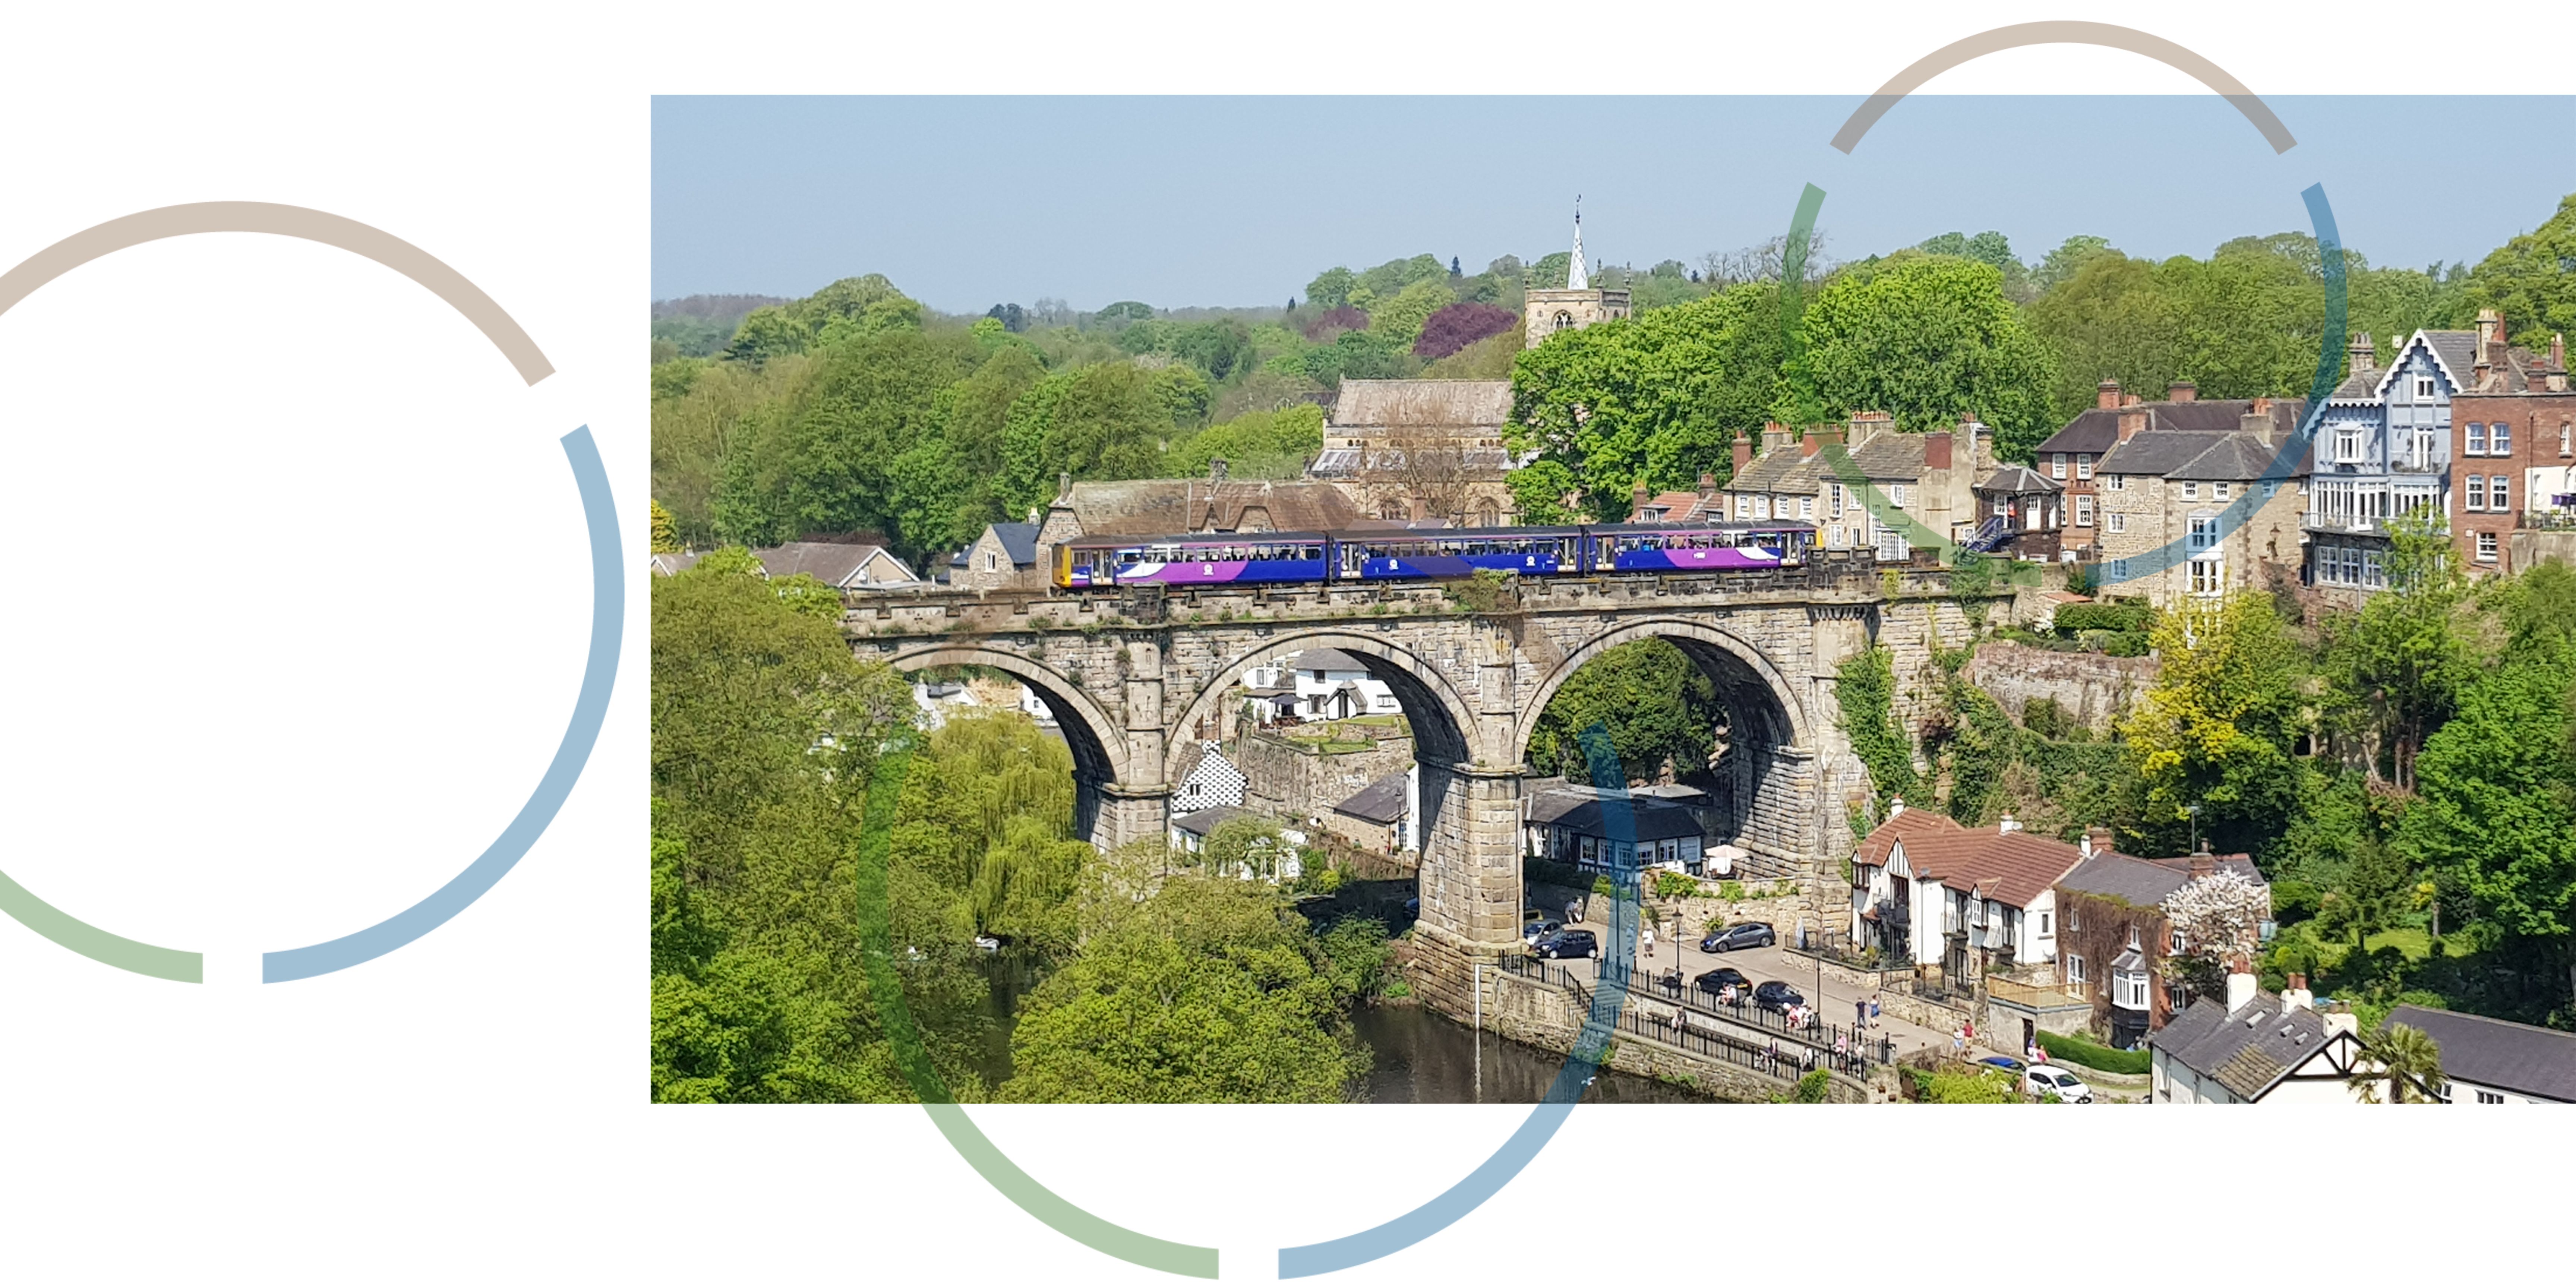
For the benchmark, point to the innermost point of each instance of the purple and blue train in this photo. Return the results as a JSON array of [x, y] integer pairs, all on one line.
[[1232, 558]]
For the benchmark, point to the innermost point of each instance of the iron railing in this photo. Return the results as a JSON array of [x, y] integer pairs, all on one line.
[[1826, 1045]]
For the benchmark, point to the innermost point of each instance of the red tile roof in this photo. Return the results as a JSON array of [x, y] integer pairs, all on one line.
[[2012, 868]]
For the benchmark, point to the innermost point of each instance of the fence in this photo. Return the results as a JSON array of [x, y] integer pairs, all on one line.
[[2035, 996], [1814, 1044]]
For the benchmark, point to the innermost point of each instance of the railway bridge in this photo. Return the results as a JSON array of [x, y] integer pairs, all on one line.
[[1132, 675]]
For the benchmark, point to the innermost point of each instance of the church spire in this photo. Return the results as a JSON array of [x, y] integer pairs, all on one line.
[[1576, 279]]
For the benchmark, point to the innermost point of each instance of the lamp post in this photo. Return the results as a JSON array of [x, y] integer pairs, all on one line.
[[2193, 810]]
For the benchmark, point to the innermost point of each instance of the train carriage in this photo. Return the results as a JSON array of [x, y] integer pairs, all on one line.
[[1710, 547], [1199, 559], [1460, 552]]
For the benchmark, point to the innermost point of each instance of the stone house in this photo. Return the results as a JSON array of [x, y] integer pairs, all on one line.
[[1893, 492], [1599, 831], [1957, 901], [2383, 449], [2201, 512], [1005, 557], [1380, 816], [2114, 937], [2070, 456], [840, 565], [2513, 449], [2496, 1062], [2253, 1047], [1414, 450]]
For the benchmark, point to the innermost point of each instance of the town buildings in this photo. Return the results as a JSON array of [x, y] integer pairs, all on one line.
[[2513, 451], [1603, 831], [1211, 782], [2114, 937], [1863, 484], [1005, 557], [1380, 817], [2496, 1062], [2383, 449], [1320, 684], [1957, 901], [2197, 499], [2253, 1047], [864, 565], [1415, 450]]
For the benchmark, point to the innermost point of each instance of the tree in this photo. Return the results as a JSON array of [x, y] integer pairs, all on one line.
[[1331, 288], [2070, 256], [1543, 492], [1656, 703], [1254, 445], [1207, 991], [2215, 729], [1244, 847], [1926, 339], [1865, 710], [1400, 318], [666, 537], [2218, 916], [2403, 1060], [1102, 422], [1455, 326], [2396, 666], [2532, 280]]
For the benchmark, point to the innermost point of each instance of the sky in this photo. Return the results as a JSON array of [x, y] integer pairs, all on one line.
[[967, 202]]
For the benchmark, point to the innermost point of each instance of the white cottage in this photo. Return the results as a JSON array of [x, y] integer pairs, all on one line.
[[2255, 1048], [1929, 892], [1325, 684], [1213, 781]]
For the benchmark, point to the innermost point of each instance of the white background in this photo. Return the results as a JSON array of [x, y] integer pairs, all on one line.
[[298, 605]]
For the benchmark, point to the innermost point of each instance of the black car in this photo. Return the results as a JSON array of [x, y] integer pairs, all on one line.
[[1776, 996], [1566, 943], [1712, 981], [1743, 934]]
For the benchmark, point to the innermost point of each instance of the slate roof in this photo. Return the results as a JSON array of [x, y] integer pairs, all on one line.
[[2246, 1050], [2097, 429], [2235, 456], [1379, 802], [670, 565], [1020, 541], [1207, 820], [2019, 478], [1325, 659], [2144, 883], [2458, 351], [834, 563], [1585, 812], [2540, 1063], [2013, 868]]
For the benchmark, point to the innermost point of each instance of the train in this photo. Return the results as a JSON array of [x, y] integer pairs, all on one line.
[[1255, 558]]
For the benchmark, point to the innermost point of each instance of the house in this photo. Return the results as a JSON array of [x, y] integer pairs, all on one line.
[[1413, 450], [1965, 902], [1603, 831], [1004, 558], [672, 564], [851, 565], [2070, 456], [2252, 1047], [2114, 937], [2191, 510], [1322, 684], [2022, 514], [1189, 832], [1211, 781], [2514, 451], [1166, 507], [1380, 816], [1706, 505], [1885, 491], [2383, 449], [2496, 1062]]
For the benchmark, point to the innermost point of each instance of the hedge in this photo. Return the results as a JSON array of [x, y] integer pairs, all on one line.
[[2092, 1055], [2117, 616]]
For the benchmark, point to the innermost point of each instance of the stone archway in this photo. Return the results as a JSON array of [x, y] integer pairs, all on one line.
[[1103, 807], [1774, 802]]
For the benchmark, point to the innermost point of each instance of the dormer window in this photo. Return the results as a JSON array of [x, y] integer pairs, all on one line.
[[2129, 989], [2424, 388]]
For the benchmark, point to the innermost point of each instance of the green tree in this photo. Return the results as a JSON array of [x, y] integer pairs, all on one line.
[[1245, 844], [1926, 339], [1655, 702], [2215, 730], [666, 535], [1331, 288], [2532, 280], [1208, 991], [2395, 667], [1255, 445], [1103, 422], [1865, 710], [2408, 1067], [1400, 318], [1539, 490], [2070, 256]]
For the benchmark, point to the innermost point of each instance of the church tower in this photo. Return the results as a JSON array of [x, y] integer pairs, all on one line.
[[1574, 306]]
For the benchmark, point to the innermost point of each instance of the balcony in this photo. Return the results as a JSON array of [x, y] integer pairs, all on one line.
[[2037, 997]]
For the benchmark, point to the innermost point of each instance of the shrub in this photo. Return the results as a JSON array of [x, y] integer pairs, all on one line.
[[1730, 890], [2092, 1055], [1812, 1088], [2074, 619], [1675, 885]]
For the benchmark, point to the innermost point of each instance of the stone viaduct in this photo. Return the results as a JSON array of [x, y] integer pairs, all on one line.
[[1133, 675]]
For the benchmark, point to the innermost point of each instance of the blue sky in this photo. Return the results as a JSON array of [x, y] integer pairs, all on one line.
[[968, 202]]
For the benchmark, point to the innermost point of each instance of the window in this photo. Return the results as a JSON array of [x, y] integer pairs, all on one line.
[[2371, 573], [2174, 942], [1834, 497], [2118, 482], [1564, 320], [2084, 465], [2208, 575], [2083, 511], [2271, 488], [2119, 569], [2477, 492], [2347, 443], [1806, 507], [1896, 495], [2129, 990], [2567, 440], [2218, 490], [2490, 1097], [2423, 387], [2423, 447], [2204, 531], [2043, 923], [2057, 465], [2486, 547], [2119, 521], [2499, 493], [2477, 444], [2074, 968], [988, 561], [1762, 507], [2500, 439], [2191, 491]]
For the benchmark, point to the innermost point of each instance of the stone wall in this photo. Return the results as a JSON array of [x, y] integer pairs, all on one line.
[[2092, 688], [1534, 1014], [1299, 782]]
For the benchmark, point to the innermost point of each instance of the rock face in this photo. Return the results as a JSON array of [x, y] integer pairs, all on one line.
[[1130, 678], [2090, 689]]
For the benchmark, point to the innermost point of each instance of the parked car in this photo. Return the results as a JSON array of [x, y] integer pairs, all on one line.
[[2044, 1080], [1712, 981], [1773, 995], [1566, 943], [1540, 929], [1743, 934], [2008, 1064], [1413, 907]]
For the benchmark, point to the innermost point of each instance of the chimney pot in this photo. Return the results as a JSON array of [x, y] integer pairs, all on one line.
[[1216, 469], [1895, 806], [2203, 863], [1637, 503], [2558, 352], [1807, 446], [1936, 450], [2182, 391], [2241, 985], [2106, 395], [2128, 400]]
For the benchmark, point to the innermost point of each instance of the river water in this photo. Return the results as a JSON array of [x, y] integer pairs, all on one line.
[[1424, 1058]]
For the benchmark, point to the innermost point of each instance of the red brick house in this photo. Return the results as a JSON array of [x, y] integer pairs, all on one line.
[[2513, 449]]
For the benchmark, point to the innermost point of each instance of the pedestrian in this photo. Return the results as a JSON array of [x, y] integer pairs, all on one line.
[[1570, 910], [2030, 1051], [1842, 1052], [1860, 1015], [1873, 1010], [1959, 1039], [1650, 941]]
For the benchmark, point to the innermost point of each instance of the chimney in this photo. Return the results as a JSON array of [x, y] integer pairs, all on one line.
[[1707, 484], [2203, 863], [1774, 437], [2558, 351], [2364, 354], [2128, 400], [1936, 450], [1895, 806], [2490, 331], [1216, 469], [1807, 446], [2340, 1019], [1743, 451], [2007, 827], [2182, 391], [2241, 985], [2130, 423], [1637, 503], [2258, 421], [2099, 838], [2106, 395], [2297, 997]]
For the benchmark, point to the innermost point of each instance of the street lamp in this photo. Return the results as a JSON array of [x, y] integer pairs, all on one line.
[[2193, 810]]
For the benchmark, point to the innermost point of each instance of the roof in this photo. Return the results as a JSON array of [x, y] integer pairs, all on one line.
[[2246, 1050], [2019, 478], [1324, 659], [2097, 429], [2536, 1062], [1379, 802], [673, 564], [835, 563], [1207, 820], [1592, 812], [1019, 541], [1685, 507], [1481, 405], [2013, 868], [1157, 507], [2235, 456]]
